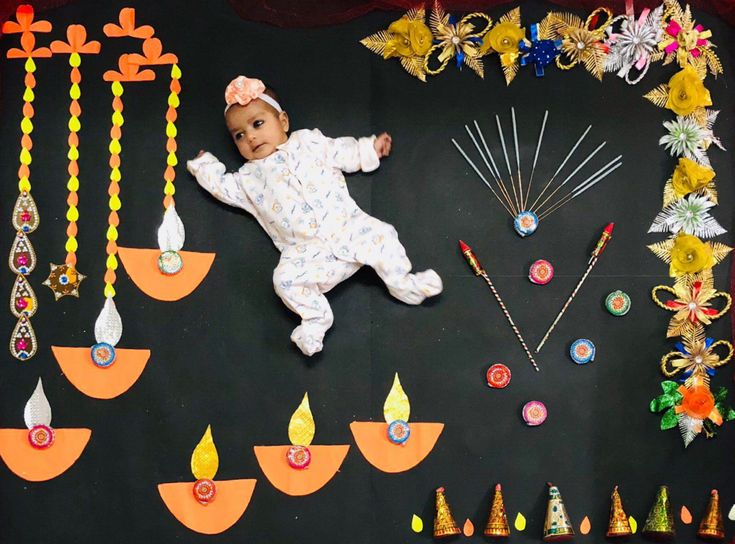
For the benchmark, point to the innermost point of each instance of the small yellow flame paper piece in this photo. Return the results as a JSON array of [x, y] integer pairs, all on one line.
[[686, 516], [417, 524], [204, 458], [301, 428], [731, 514], [633, 524], [585, 527], [396, 403], [520, 522], [468, 529]]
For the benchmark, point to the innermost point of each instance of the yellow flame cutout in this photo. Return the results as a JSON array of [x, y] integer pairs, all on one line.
[[520, 522], [301, 428], [396, 403], [633, 524], [204, 458], [417, 524]]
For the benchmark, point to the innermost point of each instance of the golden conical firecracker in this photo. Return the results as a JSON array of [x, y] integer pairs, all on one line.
[[712, 526], [444, 524], [619, 524], [497, 521], [557, 526], [660, 521]]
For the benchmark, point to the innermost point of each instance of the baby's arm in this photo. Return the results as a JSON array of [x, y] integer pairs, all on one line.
[[352, 154], [210, 174]]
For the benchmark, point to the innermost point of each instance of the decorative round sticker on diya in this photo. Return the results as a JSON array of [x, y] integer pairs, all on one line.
[[498, 376], [298, 457], [618, 303], [541, 272], [398, 431], [534, 413], [525, 223], [582, 351], [170, 263]]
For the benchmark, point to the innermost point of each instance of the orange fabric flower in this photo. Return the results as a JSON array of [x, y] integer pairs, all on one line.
[[698, 402]]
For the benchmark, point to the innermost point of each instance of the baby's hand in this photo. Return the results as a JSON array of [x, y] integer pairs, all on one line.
[[382, 145]]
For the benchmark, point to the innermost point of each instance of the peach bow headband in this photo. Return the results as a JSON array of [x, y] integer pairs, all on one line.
[[243, 90]]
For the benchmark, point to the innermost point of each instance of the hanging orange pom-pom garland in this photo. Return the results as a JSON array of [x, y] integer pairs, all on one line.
[[25, 219]]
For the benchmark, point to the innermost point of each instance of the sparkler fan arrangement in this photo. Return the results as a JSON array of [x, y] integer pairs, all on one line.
[[514, 193]]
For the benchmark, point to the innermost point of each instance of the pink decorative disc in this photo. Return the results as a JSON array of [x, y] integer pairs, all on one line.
[[534, 413], [541, 272]]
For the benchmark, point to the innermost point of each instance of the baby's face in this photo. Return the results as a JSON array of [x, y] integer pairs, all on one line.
[[256, 128]]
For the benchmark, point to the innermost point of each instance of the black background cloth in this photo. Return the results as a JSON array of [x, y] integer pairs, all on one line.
[[222, 356]]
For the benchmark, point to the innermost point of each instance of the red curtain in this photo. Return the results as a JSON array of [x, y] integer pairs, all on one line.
[[307, 13]]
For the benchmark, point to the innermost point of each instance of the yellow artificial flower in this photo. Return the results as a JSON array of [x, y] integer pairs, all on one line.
[[690, 176], [687, 92], [408, 38], [502, 38], [399, 45], [420, 36], [690, 255]]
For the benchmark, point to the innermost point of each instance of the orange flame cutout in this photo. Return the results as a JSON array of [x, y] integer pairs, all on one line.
[[686, 515], [152, 54], [76, 42], [585, 527], [468, 529], [128, 71], [127, 26], [24, 14]]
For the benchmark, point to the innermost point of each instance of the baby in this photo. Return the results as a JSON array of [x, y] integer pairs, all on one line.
[[294, 187]]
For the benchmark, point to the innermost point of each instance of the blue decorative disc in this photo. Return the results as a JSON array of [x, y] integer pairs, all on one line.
[[398, 431], [103, 354]]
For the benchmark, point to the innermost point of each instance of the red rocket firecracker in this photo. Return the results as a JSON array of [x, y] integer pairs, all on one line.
[[480, 271], [599, 248]]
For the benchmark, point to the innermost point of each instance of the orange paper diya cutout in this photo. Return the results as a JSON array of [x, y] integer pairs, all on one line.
[[207, 506], [103, 371], [40, 453], [400, 453], [300, 469]]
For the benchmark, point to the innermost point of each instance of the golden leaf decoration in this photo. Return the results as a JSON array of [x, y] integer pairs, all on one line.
[[204, 458], [719, 251], [414, 66], [544, 29], [510, 71], [595, 62], [670, 196], [712, 61], [301, 428], [416, 14], [513, 16], [561, 22], [659, 95], [396, 403], [437, 18], [662, 250], [475, 64], [376, 42]]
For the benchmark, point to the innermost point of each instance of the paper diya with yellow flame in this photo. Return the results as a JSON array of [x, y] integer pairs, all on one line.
[[40, 452], [300, 469], [396, 445], [207, 506]]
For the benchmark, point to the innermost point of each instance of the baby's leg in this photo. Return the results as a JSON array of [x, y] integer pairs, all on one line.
[[301, 282], [382, 250]]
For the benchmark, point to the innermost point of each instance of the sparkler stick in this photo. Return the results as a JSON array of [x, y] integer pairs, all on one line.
[[535, 157], [494, 173], [499, 178], [507, 162], [472, 164], [599, 248]]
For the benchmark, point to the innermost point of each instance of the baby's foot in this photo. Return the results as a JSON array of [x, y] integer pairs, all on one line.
[[307, 339], [417, 287]]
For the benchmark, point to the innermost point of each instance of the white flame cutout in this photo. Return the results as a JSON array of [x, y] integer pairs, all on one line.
[[171, 233], [108, 327], [37, 410]]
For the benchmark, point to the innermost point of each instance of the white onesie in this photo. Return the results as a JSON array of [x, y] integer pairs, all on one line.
[[299, 196]]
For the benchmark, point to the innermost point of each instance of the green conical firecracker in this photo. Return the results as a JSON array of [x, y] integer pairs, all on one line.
[[660, 521], [557, 526]]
